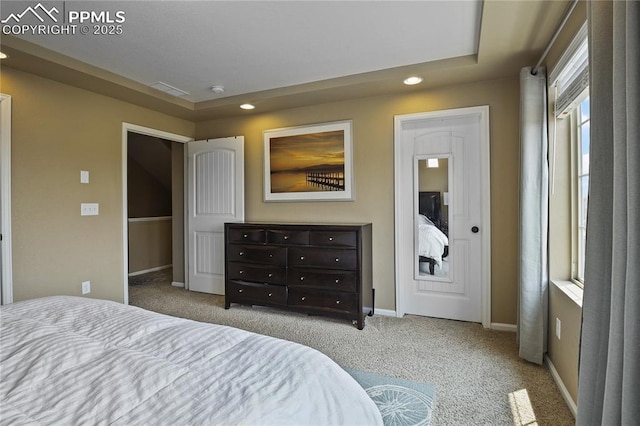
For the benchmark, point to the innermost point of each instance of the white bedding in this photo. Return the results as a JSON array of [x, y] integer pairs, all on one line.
[[431, 241], [79, 361]]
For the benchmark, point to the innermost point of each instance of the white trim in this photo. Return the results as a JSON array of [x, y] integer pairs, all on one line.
[[498, 326], [149, 219], [177, 284], [573, 407], [483, 113], [126, 128], [572, 290], [146, 271], [5, 194], [385, 312]]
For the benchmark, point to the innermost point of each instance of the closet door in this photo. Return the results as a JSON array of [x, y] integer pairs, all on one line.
[[443, 265], [215, 195]]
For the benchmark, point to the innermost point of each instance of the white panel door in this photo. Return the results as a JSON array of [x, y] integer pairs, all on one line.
[[459, 293], [215, 195]]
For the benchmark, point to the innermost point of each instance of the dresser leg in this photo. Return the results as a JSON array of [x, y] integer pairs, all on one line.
[[360, 322], [227, 304]]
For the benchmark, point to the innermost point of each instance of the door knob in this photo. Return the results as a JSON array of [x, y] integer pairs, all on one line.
[[475, 229]]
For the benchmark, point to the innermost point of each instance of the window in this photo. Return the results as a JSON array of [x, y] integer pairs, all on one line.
[[582, 182], [569, 85]]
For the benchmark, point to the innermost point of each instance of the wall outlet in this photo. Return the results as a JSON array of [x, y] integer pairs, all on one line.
[[86, 287], [558, 327], [89, 209]]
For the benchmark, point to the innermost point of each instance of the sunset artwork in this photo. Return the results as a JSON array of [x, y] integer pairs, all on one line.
[[311, 162]]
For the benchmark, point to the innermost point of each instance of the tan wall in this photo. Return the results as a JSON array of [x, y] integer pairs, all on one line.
[[565, 351], [57, 131], [146, 196], [374, 178], [150, 244]]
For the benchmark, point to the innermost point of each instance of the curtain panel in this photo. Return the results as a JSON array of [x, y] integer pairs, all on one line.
[[534, 218], [609, 376]]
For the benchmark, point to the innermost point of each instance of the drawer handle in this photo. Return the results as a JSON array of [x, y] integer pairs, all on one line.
[[240, 290], [337, 302], [330, 238], [337, 259], [270, 255], [286, 237], [241, 272], [303, 298], [241, 253], [270, 274], [270, 294], [301, 257], [302, 278], [245, 236], [337, 280]]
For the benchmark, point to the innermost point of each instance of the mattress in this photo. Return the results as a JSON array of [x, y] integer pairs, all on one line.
[[71, 360]]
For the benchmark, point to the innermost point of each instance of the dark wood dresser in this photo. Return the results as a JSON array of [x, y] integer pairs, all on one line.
[[312, 268]]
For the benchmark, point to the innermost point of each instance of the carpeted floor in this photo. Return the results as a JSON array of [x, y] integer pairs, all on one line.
[[477, 373]]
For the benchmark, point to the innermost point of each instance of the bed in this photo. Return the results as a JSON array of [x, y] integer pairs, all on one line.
[[73, 360], [433, 243]]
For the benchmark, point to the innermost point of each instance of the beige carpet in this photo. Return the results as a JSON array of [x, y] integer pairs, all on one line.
[[477, 373]]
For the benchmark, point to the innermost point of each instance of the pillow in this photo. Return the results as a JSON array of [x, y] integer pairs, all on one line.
[[423, 220]]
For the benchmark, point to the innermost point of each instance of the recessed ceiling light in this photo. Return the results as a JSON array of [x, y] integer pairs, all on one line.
[[247, 106], [217, 89], [412, 80], [3, 55]]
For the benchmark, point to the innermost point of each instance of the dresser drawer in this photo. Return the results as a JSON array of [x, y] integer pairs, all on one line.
[[284, 236], [327, 279], [262, 274], [276, 256], [247, 235], [322, 300], [333, 238], [322, 258], [256, 293]]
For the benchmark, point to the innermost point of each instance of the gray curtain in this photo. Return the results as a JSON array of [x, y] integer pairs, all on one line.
[[609, 378], [534, 218]]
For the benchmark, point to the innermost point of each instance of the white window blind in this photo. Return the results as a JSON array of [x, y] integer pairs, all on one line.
[[570, 77]]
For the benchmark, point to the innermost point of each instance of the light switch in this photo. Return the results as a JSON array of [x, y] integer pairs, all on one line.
[[89, 209], [84, 176]]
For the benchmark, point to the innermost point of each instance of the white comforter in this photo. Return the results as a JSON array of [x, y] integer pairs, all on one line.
[[431, 242], [78, 361]]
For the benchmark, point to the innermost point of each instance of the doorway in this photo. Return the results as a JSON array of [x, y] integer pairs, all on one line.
[[152, 152], [443, 235], [6, 269]]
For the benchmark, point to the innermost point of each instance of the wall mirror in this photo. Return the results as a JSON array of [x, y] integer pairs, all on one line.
[[432, 217]]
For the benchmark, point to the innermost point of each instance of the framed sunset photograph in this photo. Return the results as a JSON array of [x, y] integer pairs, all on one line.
[[309, 163]]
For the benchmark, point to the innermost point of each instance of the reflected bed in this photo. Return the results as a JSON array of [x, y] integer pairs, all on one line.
[[433, 243]]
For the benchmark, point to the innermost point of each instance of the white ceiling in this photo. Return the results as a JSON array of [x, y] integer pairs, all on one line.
[[252, 46]]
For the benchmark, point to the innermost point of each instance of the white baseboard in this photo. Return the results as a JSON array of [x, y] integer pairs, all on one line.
[[498, 326], [177, 284], [573, 407], [384, 312], [157, 268]]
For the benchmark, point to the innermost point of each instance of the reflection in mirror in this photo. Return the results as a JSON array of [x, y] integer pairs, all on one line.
[[433, 218]]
